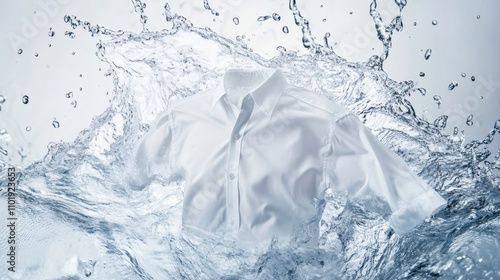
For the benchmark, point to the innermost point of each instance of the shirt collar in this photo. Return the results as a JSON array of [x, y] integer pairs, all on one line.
[[265, 95]]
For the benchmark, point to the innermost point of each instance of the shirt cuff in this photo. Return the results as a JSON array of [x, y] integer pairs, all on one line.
[[411, 215]]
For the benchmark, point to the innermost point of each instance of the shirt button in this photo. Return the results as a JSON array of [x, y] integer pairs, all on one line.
[[231, 176]]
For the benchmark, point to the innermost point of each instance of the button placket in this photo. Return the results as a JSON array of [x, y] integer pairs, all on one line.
[[232, 199]]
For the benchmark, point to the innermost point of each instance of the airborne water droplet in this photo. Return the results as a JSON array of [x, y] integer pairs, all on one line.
[[434, 22], [69, 94], [2, 99], [55, 124], [51, 33], [440, 122], [276, 17], [455, 131], [497, 126], [285, 29], [73, 103], [26, 99], [423, 91], [438, 100], [464, 75], [28, 128], [70, 34], [263, 18], [414, 23], [469, 121], [472, 78], [20, 51], [478, 17], [427, 54], [452, 85], [36, 54], [3, 131], [421, 74], [236, 20]]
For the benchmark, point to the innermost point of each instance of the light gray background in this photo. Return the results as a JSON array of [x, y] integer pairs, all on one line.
[[460, 43]]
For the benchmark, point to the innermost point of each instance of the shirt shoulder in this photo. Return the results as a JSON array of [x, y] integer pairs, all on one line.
[[192, 99], [318, 101]]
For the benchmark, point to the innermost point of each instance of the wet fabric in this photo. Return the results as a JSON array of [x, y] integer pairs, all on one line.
[[257, 154]]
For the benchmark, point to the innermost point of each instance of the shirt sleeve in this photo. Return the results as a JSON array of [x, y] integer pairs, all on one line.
[[152, 154], [361, 165]]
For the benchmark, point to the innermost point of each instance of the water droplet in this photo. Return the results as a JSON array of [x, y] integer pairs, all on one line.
[[478, 17], [473, 78], [427, 54], [421, 74], [69, 94], [324, 20], [36, 54], [73, 103], [414, 23], [3, 131], [276, 17], [51, 33], [73, 53], [55, 124], [438, 100], [281, 49], [434, 22], [80, 89], [351, 12], [497, 126], [327, 35], [70, 34], [26, 99], [28, 128], [469, 121], [464, 75], [50, 45], [481, 97], [440, 122], [2, 99], [236, 20], [263, 18], [19, 51], [285, 29], [452, 85], [455, 131], [423, 91]]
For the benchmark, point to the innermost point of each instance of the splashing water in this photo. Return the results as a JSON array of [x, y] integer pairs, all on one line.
[[116, 232]]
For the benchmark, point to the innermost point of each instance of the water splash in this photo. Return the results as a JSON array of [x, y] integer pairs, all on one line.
[[80, 185]]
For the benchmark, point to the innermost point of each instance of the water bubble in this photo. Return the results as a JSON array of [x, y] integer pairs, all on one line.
[[51, 33], [26, 99], [463, 75], [263, 18], [421, 74], [19, 51], [438, 100], [469, 121], [452, 85], [285, 29], [2, 99], [276, 17], [427, 54], [28, 128], [55, 124], [473, 78], [236, 20], [434, 22], [69, 94], [70, 34]]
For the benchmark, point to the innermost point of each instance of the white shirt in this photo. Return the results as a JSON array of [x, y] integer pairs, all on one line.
[[256, 152]]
